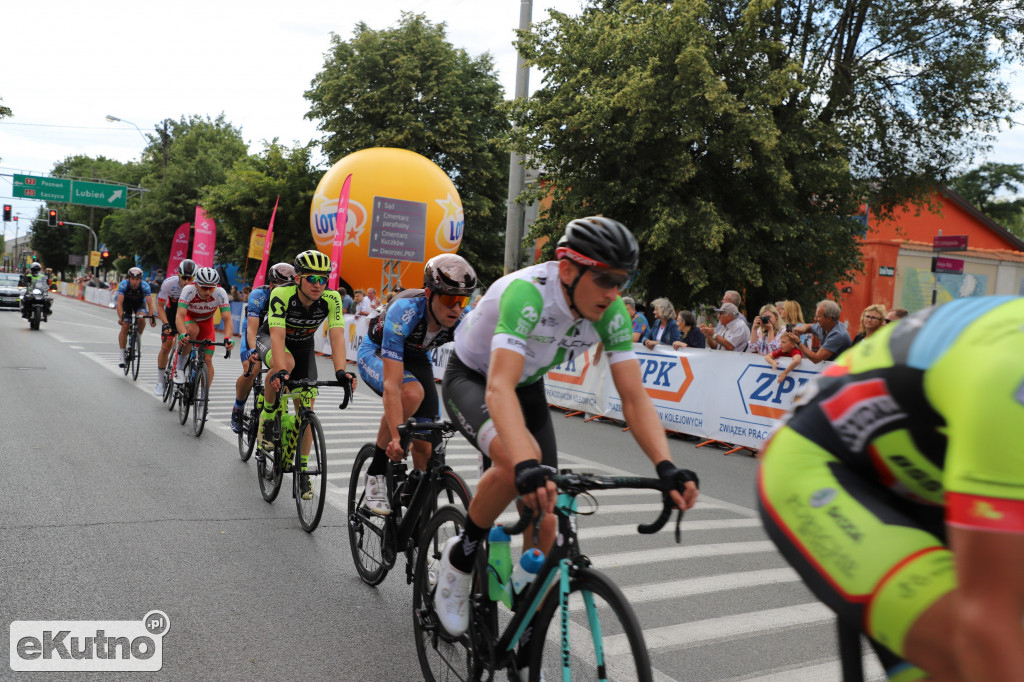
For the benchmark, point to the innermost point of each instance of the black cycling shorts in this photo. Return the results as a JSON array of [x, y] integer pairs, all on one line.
[[464, 391], [303, 352]]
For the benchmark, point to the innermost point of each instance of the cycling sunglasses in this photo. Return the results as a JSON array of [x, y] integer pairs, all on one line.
[[185, 278], [609, 280], [202, 288], [450, 300], [316, 279]]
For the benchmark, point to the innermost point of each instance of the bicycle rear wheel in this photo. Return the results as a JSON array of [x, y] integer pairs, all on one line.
[[604, 636], [441, 656], [200, 399], [250, 429], [136, 356], [367, 532], [270, 485], [312, 509]]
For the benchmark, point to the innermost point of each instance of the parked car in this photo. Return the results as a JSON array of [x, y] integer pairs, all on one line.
[[10, 292]]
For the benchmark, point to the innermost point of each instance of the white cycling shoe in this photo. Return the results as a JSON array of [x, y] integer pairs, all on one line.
[[158, 390], [451, 601], [376, 497]]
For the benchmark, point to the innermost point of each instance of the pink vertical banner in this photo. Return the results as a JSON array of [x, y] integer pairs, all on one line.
[[205, 240], [340, 225], [179, 248], [262, 274]]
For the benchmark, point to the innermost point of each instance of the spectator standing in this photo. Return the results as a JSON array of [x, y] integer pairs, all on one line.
[[664, 330], [895, 314], [346, 302], [639, 321], [730, 333], [361, 303], [828, 330], [871, 320], [371, 296], [689, 334], [765, 330], [734, 298]]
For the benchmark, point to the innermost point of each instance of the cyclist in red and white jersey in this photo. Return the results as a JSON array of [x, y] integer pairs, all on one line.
[[196, 308]]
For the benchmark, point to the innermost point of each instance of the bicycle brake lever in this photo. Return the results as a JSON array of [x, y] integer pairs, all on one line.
[[679, 521], [536, 528]]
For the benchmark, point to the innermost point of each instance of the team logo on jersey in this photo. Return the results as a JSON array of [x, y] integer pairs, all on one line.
[[858, 411], [408, 315], [528, 317]]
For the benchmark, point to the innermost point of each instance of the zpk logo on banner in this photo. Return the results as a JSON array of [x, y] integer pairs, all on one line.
[[665, 377], [763, 396]]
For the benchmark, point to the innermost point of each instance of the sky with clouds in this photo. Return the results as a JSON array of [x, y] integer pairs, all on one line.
[[67, 64]]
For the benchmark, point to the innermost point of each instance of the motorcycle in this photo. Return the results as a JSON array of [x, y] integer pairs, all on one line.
[[36, 306]]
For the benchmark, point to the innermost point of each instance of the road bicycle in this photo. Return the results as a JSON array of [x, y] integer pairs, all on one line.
[[277, 452], [596, 635], [376, 541], [251, 419], [194, 394], [133, 345]]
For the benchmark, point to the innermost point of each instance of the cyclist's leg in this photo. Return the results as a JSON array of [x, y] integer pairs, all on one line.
[[371, 370], [420, 393], [140, 322], [167, 343], [304, 367], [878, 562]]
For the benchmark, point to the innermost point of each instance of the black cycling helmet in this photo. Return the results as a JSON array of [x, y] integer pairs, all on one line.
[[449, 273], [187, 268], [313, 261], [281, 273], [599, 242]]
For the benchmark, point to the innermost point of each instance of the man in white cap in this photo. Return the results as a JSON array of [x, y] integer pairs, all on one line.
[[730, 333]]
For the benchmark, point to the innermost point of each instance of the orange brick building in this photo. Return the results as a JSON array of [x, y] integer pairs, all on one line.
[[898, 254]]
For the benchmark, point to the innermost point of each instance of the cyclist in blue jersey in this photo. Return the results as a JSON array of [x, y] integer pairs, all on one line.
[[255, 315], [393, 361], [133, 294]]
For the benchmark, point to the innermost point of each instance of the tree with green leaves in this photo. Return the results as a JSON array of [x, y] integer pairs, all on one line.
[[648, 117], [245, 200], [408, 87], [737, 137], [994, 188], [199, 153]]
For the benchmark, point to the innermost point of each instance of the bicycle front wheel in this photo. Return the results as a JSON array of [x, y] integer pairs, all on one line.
[[169, 393], [136, 356], [200, 399], [367, 532], [604, 636], [184, 399], [441, 656], [311, 482], [129, 347], [269, 473]]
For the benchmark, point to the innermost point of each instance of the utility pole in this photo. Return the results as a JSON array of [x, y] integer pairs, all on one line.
[[514, 220]]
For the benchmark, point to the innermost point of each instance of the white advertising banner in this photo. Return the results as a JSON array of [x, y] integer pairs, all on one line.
[[355, 329]]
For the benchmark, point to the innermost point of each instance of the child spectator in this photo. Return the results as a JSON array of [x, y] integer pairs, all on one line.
[[788, 342]]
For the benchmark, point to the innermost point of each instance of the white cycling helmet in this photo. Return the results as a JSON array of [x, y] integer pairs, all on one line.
[[135, 272], [207, 277]]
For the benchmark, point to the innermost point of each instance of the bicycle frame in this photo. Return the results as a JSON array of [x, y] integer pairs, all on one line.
[[418, 511]]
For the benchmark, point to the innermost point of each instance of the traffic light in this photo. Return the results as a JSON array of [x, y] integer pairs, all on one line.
[[105, 254], [7, 213], [52, 220], [60, 223]]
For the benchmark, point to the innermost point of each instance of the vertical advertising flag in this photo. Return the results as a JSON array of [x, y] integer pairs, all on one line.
[[179, 248], [262, 274], [341, 221], [205, 240], [257, 238]]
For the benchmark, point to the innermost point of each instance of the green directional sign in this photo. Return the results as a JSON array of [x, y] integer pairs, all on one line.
[[44, 189], [97, 194], [70, 191]]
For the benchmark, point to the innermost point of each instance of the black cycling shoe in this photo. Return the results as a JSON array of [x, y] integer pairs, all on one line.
[[236, 420], [305, 487]]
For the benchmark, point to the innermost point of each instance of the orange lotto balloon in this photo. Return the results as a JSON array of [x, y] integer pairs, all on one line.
[[402, 208]]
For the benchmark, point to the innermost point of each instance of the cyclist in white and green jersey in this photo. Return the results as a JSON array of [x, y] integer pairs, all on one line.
[[527, 323]]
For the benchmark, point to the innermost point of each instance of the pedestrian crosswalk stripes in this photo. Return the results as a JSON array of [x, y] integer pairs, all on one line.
[[716, 532]]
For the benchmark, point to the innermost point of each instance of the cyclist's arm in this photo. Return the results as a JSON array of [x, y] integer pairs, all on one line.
[[394, 371], [339, 348], [988, 636], [179, 320], [252, 326], [120, 307], [229, 330], [277, 351], [644, 423]]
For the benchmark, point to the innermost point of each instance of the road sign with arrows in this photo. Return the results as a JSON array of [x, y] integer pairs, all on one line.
[[70, 191]]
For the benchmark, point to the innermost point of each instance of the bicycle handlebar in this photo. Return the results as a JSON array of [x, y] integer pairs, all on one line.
[[346, 386], [575, 484], [407, 431], [206, 342]]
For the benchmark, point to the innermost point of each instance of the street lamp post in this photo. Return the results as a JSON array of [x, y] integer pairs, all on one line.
[[95, 240], [116, 119]]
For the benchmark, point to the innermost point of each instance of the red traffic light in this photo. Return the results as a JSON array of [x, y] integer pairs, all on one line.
[[52, 219], [7, 212], [105, 254]]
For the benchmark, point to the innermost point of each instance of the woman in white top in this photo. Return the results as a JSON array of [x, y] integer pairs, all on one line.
[[765, 330]]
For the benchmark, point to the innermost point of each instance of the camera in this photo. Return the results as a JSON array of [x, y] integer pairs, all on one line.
[[789, 327], [767, 319]]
